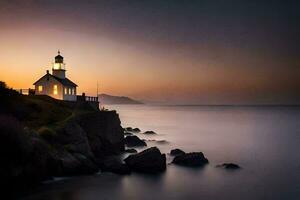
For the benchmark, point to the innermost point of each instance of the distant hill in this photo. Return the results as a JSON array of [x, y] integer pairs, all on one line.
[[109, 99]]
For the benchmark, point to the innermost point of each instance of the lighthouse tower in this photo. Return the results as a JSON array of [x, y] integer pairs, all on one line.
[[58, 68]]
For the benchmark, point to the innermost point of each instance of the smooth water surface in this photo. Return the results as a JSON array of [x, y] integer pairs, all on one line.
[[264, 141]]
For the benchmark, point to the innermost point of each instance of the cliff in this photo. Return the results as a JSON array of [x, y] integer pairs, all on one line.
[[42, 137]]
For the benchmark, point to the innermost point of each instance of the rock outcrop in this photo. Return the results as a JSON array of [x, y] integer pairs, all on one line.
[[137, 130], [130, 151], [149, 132], [134, 141], [176, 152], [74, 146], [42, 137], [148, 161], [25, 160], [127, 133], [76, 163], [194, 159], [104, 132], [114, 165], [74, 138], [128, 129], [82, 142], [157, 141], [230, 166]]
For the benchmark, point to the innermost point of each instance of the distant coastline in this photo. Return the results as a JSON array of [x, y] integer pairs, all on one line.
[[110, 100], [235, 105]]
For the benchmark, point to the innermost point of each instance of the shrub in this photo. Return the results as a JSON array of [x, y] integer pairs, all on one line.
[[2, 85]]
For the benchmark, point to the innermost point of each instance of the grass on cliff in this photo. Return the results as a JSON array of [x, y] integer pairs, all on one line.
[[38, 111]]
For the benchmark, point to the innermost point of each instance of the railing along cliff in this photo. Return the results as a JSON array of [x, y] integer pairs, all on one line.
[[93, 101], [28, 91], [87, 98]]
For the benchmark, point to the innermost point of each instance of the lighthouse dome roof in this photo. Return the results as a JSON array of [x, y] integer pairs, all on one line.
[[59, 57]]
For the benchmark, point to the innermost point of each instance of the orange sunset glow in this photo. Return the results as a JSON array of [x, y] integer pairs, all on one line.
[[154, 63]]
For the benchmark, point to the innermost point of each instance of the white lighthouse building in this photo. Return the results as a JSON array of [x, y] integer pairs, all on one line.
[[56, 85]]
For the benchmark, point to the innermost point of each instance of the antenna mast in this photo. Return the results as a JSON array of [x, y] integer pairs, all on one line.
[[97, 89]]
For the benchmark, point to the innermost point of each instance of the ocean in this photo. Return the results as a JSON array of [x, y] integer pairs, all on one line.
[[263, 140]]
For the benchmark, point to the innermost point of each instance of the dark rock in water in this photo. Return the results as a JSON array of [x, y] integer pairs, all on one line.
[[162, 141], [114, 165], [132, 129], [149, 132], [176, 152], [194, 159], [131, 151], [128, 129], [136, 130], [134, 141], [229, 166], [157, 141], [148, 161], [127, 133]]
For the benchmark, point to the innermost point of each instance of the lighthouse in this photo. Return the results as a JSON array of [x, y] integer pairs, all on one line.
[[56, 85], [59, 67]]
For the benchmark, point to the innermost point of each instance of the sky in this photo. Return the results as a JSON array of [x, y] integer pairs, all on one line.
[[171, 51]]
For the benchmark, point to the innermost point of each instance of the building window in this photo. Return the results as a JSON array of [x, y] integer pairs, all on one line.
[[73, 91], [40, 88], [66, 90], [69, 91], [55, 89]]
